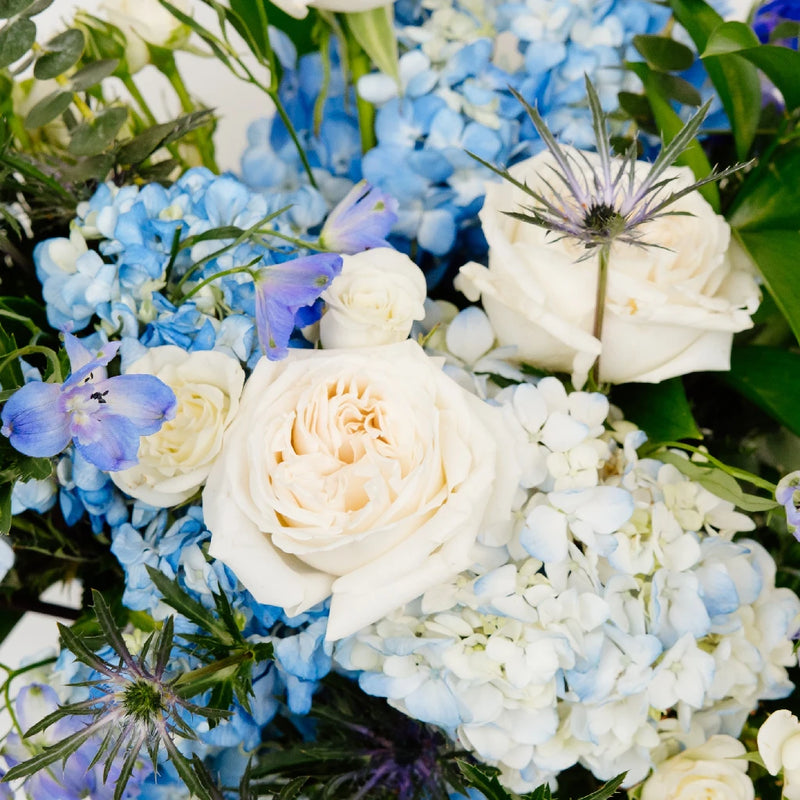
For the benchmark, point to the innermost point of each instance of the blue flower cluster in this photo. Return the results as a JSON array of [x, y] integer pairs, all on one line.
[[459, 61]]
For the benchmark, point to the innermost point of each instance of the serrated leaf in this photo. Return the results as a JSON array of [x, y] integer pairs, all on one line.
[[47, 109], [90, 138], [780, 64], [607, 789], [15, 40], [374, 31], [92, 74], [292, 789], [484, 780], [664, 53], [61, 52], [770, 378], [185, 771], [10, 8], [661, 410]]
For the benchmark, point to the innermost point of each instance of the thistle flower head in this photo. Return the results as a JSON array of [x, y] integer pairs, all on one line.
[[597, 202]]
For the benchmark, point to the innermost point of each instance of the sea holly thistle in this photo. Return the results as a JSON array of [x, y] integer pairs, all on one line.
[[598, 204]]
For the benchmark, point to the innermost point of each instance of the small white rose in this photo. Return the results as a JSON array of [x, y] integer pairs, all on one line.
[[713, 771], [175, 461], [142, 22], [374, 300], [366, 474], [670, 309], [779, 745], [299, 8]]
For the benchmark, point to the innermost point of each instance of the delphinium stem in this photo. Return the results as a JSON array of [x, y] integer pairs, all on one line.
[[600, 305]]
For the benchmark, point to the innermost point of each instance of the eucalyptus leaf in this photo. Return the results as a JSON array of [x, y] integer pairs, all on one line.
[[37, 7], [61, 52], [736, 81], [48, 108], [92, 74], [770, 378], [16, 39], [780, 64], [93, 136], [10, 8], [775, 254], [664, 53], [374, 31]]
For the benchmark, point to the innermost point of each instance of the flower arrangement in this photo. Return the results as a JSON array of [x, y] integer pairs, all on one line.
[[448, 449]]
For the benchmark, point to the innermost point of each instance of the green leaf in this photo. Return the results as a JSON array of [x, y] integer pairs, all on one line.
[[661, 410], [775, 254], [770, 197], [717, 481], [374, 31], [48, 108], [15, 40], [37, 7], [677, 89], [607, 789], [10, 8], [780, 64], [92, 74], [664, 53], [770, 378], [90, 138], [669, 125], [5, 508], [292, 789], [61, 52], [736, 81], [484, 779]]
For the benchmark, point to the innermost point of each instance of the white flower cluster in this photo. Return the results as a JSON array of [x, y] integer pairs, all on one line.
[[619, 617]]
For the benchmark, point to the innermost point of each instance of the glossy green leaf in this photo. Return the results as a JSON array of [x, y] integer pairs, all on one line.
[[47, 109], [677, 88], [775, 253], [661, 410], [15, 40], [770, 197], [10, 8], [736, 81], [664, 53], [92, 137], [669, 124], [60, 54], [374, 31], [92, 74], [780, 64], [770, 378]]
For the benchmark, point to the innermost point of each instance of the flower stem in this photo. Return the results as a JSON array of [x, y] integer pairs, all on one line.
[[232, 271], [360, 65], [600, 305]]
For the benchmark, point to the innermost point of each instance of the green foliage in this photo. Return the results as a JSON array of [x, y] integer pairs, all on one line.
[[93, 136], [374, 32], [16, 39], [663, 53], [60, 53]]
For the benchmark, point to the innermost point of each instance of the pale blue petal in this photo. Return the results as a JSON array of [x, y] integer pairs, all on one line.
[[35, 421]]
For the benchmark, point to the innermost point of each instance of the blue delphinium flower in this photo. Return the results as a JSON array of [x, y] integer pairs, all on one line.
[[103, 416], [787, 494], [362, 220], [768, 17]]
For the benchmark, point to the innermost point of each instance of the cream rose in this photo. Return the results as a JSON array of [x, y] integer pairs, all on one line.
[[779, 745], [712, 771], [175, 461], [374, 300], [670, 309], [299, 8], [364, 474], [142, 22]]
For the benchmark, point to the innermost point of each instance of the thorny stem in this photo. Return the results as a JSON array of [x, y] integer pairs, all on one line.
[[600, 304]]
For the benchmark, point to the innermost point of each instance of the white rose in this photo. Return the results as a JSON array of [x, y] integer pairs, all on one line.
[[779, 745], [374, 300], [365, 474], [175, 461], [142, 22], [712, 771], [670, 309], [299, 8]]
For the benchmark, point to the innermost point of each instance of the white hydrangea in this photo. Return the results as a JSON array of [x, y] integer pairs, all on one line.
[[619, 624]]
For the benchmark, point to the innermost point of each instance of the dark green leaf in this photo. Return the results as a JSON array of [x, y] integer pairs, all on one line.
[[638, 108], [607, 789], [484, 779], [539, 793], [5, 508], [770, 378], [780, 64], [111, 631], [661, 410], [10, 8], [92, 74], [736, 81], [775, 254], [300, 31], [664, 53], [37, 7], [185, 771], [292, 789], [61, 52], [92, 137], [15, 40], [678, 89], [47, 109]]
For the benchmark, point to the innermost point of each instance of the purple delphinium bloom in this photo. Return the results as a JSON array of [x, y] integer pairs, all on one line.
[[362, 220], [104, 417], [771, 14], [282, 290], [787, 493]]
